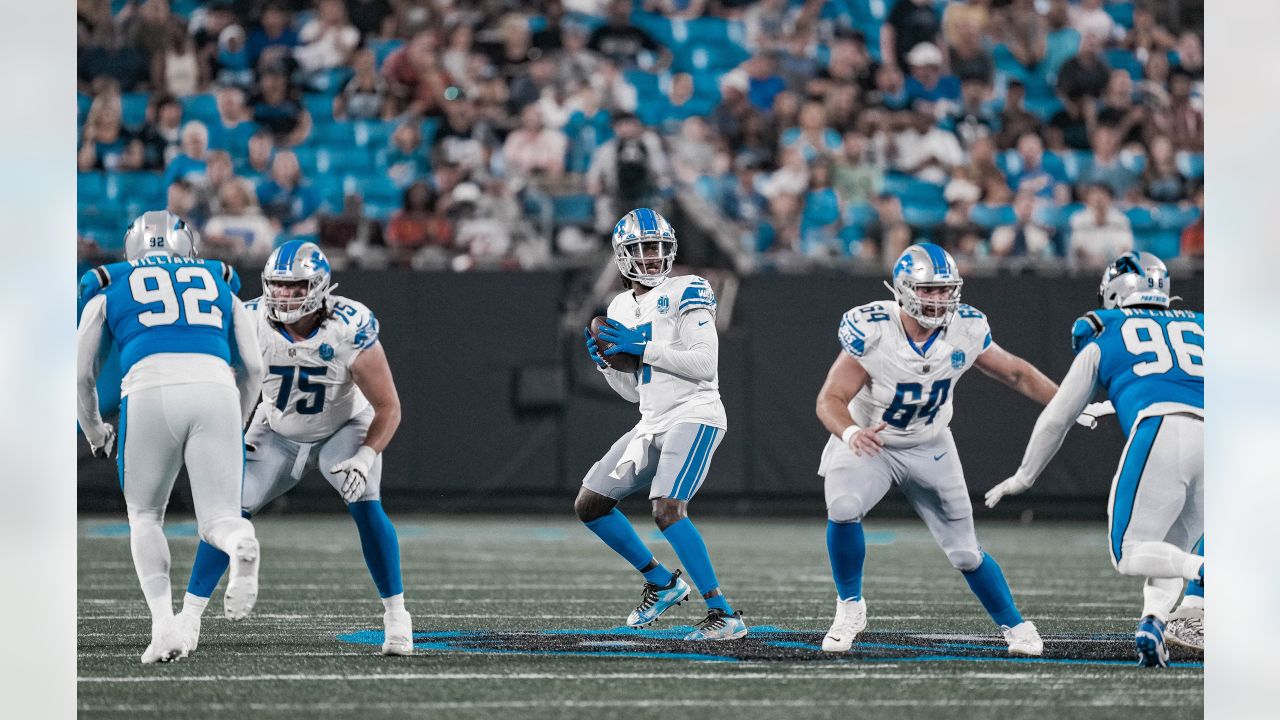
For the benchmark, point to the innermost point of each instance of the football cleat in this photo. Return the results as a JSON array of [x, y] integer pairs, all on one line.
[[1186, 628], [397, 633], [242, 587], [1149, 640], [166, 642], [189, 627], [657, 599], [1024, 640], [718, 625], [851, 619]]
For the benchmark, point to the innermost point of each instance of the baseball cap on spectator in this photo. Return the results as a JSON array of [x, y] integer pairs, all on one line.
[[925, 53], [736, 79]]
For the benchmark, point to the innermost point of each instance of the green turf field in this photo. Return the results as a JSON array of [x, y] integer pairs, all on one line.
[[492, 599]]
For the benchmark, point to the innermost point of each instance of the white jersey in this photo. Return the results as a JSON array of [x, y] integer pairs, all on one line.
[[308, 392], [667, 398], [911, 386]]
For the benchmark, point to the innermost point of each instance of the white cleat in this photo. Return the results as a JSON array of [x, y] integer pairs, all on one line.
[[166, 642], [189, 626], [1186, 628], [242, 587], [1024, 640], [851, 619], [397, 633]]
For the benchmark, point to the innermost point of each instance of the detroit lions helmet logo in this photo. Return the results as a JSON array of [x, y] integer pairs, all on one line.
[[957, 359]]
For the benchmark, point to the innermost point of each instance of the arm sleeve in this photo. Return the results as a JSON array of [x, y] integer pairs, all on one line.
[[700, 350], [90, 338], [1051, 428], [623, 383], [249, 370]]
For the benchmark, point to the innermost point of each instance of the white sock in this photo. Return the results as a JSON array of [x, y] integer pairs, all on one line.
[[1191, 567], [151, 561], [395, 602], [1193, 601], [1155, 559], [225, 532], [1159, 596], [194, 604]]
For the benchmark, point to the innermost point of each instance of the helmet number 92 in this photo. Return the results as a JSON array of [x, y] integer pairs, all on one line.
[[1145, 336]]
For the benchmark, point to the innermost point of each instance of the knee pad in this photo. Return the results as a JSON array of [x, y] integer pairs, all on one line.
[[965, 560], [846, 509], [217, 531], [139, 517]]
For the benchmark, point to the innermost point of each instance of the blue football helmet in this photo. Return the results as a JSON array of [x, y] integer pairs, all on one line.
[[1135, 278], [295, 262], [159, 232], [635, 234], [925, 265]]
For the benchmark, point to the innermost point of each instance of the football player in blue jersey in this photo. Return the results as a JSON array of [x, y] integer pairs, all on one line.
[[192, 371], [1150, 359]]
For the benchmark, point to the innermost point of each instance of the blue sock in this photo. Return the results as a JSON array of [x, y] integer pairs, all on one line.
[[209, 566], [380, 545], [616, 532], [847, 548], [1196, 587], [692, 551], [988, 583]]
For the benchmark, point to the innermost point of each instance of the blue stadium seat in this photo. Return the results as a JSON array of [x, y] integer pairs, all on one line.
[[320, 107], [1191, 165], [1121, 59], [992, 216], [306, 159], [375, 187], [924, 214], [375, 133], [910, 189], [200, 107], [1060, 46], [1140, 218], [429, 127], [702, 57], [1133, 162], [1164, 244], [859, 215], [184, 7], [1006, 63], [90, 187], [574, 209], [654, 24], [330, 188], [334, 134], [383, 48], [343, 160], [331, 81], [1076, 162], [380, 211], [1043, 107], [133, 109], [144, 187], [715, 31], [83, 103], [648, 85], [1122, 13], [1172, 217]]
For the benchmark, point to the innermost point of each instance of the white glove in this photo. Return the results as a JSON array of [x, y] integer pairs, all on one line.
[[1093, 411], [1012, 486], [104, 449], [356, 469]]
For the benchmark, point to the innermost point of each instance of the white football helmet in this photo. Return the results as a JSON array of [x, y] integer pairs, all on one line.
[[636, 230], [1135, 278], [926, 265], [159, 232], [296, 261]]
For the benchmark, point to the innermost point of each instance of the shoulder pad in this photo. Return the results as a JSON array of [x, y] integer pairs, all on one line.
[[697, 293], [1085, 330], [356, 321], [228, 274], [860, 327]]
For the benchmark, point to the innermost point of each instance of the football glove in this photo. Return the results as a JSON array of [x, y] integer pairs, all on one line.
[[593, 350], [108, 442], [1093, 411], [624, 339], [356, 471], [1012, 486]]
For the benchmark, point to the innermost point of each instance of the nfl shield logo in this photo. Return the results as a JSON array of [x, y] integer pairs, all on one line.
[[957, 359], [326, 352], [664, 304]]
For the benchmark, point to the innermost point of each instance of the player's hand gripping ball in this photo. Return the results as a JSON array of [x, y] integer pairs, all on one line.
[[621, 361]]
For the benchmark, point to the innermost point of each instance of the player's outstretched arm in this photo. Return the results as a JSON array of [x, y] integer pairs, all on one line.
[[248, 369], [91, 338], [844, 380], [998, 363], [1051, 427]]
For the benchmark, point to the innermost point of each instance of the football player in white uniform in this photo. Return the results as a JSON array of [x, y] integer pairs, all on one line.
[[328, 402], [887, 403], [669, 323]]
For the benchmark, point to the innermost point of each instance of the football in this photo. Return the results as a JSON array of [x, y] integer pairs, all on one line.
[[624, 362]]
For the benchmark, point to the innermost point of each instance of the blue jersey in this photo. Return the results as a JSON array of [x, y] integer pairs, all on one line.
[[1146, 357], [163, 304]]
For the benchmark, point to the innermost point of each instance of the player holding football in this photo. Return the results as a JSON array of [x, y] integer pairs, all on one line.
[[189, 353], [1151, 361], [887, 403], [669, 324], [329, 402]]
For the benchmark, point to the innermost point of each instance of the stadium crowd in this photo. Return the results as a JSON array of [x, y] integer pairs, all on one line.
[[439, 133]]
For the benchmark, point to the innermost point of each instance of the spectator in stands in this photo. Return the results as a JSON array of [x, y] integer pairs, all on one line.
[[969, 59], [146, 27], [175, 68], [276, 109], [1032, 177], [984, 172], [1099, 232], [1161, 180], [551, 37], [589, 126], [1090, 18], [232, 64], [234, 126], [1153, 89], [1182, 121], [257, 166], [180, 198], [1086, 74], [328, 39], [973, 117], [763, 81], [365, 96], [813, 137], [287, 199], [1118, 111], [1069, 127], [1192, 240], [1108, 167], [161, 134], [791, 177], [796, 58], [483, 225], [528, 88], [1015, 119], [534, 150], [621, 42], [219, 171], [108, 55], [1026, 33], [679, 105], [513, 53], [757, 140], [462, 139], [888, 234], [743, 200], [958, 14], [206, 28], [849, 63], [238, 230], [631, 170], [1025, 237], [373, 18], [1147, 39], [273, 41], [728, 117], [416, 225], [820, 214], [857, 178], [105, 143], [784, 115], [766, 24], [191, 163], [417, 79], [843, 107], [693, 152], [1190, 54], [781, 233], [405, 159], [927, 81], [891, 89], [924, 150], [618, 95], [910, 23], [457, 54], [575, 62]]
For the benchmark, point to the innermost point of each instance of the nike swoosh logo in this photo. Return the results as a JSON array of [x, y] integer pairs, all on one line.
[[704, 322], [939, 457]]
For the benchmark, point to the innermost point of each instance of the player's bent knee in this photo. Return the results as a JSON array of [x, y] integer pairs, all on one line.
[[668, 512], [846, 509], [146, 516], [965, 560], [592, 505]]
